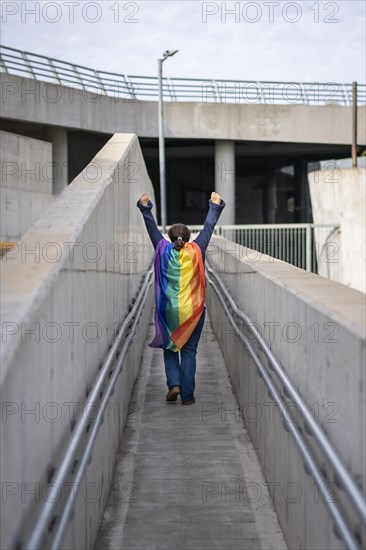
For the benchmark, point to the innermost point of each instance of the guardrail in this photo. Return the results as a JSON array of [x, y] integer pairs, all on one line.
[[274, 375], [136, 88], [303, 245], [53, 517]]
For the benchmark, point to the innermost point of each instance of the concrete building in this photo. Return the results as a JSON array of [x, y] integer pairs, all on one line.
[[241, 148], [271, 455]]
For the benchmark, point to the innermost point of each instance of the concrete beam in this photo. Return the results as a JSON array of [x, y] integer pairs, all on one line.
[[44, 103]]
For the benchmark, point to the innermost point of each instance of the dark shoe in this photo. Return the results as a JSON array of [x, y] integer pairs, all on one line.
[[172, 394], [189, 402]]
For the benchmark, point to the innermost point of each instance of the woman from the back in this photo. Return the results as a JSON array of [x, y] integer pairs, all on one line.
[[180, 292]]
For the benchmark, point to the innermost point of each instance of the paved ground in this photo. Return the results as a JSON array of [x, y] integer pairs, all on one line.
[[187, 477]]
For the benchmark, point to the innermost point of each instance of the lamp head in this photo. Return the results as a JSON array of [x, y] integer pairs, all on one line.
[[169, 53]]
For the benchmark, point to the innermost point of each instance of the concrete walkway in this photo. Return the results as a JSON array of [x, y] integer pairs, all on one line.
[[187, 477]]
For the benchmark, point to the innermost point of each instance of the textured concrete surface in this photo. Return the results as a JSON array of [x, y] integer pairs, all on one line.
[[26, 183], [205, 120], [316, 329], [86, 257], [225, 178], [187, 477], [338, 196]]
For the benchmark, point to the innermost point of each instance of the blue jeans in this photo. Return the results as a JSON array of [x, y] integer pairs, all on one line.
[[181, 371]]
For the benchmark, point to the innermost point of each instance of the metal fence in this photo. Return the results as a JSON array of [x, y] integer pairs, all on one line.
[[135, 88], [306, 245]]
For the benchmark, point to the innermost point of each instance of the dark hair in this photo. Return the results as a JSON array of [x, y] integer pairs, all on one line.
[[179, 234]]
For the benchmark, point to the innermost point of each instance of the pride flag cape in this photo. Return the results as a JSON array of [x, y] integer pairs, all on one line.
[[180, 292]]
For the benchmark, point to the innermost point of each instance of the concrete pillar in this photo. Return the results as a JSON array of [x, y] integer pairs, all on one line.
[[269, 203], [58, 138], [302, 200], [225, 178]]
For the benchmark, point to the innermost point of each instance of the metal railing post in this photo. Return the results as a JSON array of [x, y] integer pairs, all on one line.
[[29, 65], [354, 124], [308, 251]]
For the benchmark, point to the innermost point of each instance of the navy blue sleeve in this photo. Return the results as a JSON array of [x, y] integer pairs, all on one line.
[[211, 220], [150, 223]]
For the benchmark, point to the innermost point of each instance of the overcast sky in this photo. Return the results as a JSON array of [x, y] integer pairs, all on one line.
[[264, 40]]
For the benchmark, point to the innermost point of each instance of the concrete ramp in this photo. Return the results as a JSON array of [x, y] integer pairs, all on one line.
[[187, 477]]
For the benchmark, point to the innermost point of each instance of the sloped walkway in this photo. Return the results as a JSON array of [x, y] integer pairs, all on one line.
[[187, 477]]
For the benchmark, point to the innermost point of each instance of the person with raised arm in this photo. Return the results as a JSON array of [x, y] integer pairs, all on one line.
[[180, 293]]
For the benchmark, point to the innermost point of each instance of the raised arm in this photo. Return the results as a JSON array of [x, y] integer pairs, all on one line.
[[145, 206], [216, 205]]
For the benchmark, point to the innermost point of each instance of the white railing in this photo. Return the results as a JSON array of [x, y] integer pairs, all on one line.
[[303, 245], [136, 88]]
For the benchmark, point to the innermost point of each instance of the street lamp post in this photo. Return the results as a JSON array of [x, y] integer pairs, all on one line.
[[166, 54]]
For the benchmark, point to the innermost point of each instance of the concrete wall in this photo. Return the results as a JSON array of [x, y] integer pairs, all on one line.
[[90, 253], [44, 103], [338, 196], [317, 331], [26, 183]]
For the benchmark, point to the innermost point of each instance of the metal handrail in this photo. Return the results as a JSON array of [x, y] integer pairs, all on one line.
[[36, 66], [342, 475], [295, 225], [100, 393]]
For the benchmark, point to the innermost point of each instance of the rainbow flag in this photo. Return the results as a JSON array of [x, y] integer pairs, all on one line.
[[180, 292]]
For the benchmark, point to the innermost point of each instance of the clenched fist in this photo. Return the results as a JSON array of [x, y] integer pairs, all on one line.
[[144, 199], [215, 198]]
